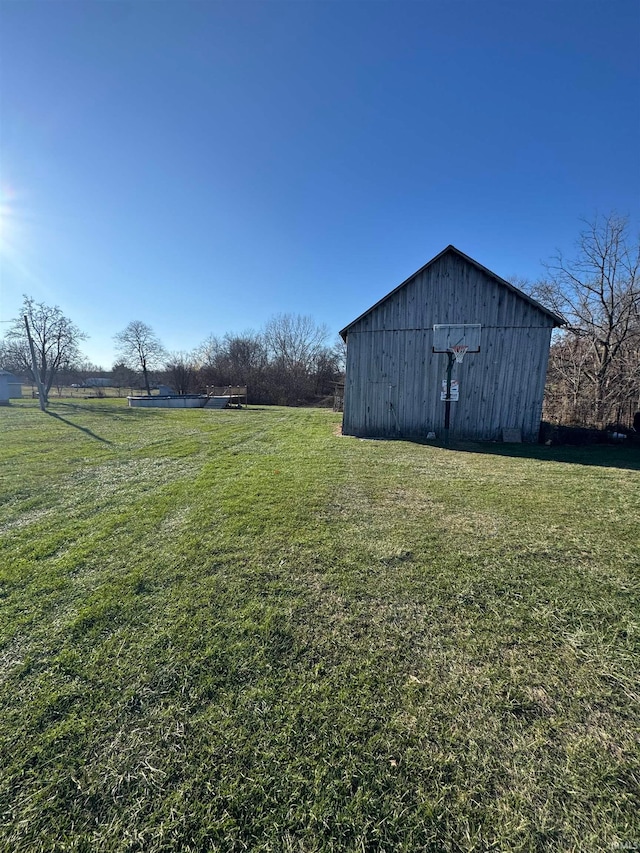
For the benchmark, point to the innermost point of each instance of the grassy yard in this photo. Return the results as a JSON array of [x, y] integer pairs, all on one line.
[[240, 631]]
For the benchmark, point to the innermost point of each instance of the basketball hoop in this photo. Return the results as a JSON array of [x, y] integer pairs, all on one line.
[[459, 352]]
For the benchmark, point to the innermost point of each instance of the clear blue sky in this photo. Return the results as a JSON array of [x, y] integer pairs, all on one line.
[[202, 166]]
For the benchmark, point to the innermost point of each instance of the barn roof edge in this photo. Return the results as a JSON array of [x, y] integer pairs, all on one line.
[[557, 319]]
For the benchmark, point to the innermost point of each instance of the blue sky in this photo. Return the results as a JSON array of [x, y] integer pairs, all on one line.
[[202, 166]]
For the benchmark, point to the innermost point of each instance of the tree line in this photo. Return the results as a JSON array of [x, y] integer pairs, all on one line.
[[288, 362], [594, 366]]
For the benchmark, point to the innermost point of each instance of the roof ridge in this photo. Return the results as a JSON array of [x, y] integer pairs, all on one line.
[[558, 320]]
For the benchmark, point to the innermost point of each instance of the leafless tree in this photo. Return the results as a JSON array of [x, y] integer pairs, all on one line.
[[208, 352], [295, 341], [139, 348], [598, 292], [56, 340], [180, 369], [567, 393], [287, 363], [235, 359], [340, 354]]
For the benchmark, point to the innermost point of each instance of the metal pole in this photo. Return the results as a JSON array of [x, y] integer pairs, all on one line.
[[34, 366], [447, 402]]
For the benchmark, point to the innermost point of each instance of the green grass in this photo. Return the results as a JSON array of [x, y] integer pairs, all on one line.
[[230, 631]]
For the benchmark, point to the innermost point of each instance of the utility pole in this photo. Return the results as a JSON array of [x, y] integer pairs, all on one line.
[[34, 366]]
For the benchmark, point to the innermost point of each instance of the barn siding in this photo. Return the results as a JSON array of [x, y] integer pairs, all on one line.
[[393, 379]]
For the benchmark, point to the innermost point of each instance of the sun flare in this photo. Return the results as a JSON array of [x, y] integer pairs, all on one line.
[[12, 231], [7, 218]]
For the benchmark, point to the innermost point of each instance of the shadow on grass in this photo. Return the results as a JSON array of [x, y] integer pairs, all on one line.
[[120, 412], [599, 455], [604, 456], [108, 411], [85, 430]]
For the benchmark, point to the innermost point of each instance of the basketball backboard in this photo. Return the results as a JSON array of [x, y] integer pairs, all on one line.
[[447, 335]]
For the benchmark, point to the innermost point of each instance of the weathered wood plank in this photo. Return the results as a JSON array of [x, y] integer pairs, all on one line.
[[393, 377]]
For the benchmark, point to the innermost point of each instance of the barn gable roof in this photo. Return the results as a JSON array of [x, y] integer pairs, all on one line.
[[556, 318]]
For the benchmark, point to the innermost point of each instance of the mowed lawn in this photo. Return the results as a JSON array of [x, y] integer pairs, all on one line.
[[241, 631]]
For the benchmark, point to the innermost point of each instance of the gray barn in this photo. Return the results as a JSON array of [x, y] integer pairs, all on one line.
[[394, 379]]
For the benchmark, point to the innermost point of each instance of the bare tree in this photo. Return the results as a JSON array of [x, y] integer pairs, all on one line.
[[287, 363], [235, 359], [567, 393], [180, 369], [245, 356], [207, 353], [55, 338], [295, 340], [139, 348], [340, 354], [295, 343], [598, 292]]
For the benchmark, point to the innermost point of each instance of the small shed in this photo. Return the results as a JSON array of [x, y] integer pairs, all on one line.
[[10, 387], [396, 379]]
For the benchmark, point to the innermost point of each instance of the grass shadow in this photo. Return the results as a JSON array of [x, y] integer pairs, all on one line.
[[599, 455], [604, 456], [85, 430], [113, 412]]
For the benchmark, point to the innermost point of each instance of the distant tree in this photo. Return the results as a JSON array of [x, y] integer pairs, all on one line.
[[295, 345], [8, 359], [598, 293], [87, 368], [123, 377], [139, 348], [208, 351], [63, 378], [340, 354], [55, 338], [295, 341], [327, 371], [287, 363], [180, 370], [245, 356], [235, 359], [206, 357]]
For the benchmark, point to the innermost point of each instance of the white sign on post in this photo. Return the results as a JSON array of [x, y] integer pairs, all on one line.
[[454, 396]]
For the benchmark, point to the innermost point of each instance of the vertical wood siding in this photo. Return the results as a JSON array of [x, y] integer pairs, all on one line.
[[393, 380]]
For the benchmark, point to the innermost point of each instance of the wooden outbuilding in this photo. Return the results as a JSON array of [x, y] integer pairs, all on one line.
[[395, 382], [10, 387]]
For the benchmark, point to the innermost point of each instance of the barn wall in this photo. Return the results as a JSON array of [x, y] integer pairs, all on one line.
[[393, 378]]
